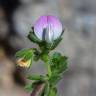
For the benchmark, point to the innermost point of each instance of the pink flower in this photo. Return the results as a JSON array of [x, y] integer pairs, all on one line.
[[48, 28]]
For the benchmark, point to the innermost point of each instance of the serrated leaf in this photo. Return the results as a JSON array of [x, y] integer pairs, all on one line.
[[58, 63], [56, 56], [54, 79]]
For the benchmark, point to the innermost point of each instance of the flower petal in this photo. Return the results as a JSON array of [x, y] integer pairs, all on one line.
[[56, 25], [40, 24], [52, 25]]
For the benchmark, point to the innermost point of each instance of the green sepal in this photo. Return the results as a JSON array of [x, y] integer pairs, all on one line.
[[21, 53], [32, 37], [50, 46], [55, 43], [29, 55], [26, 54]]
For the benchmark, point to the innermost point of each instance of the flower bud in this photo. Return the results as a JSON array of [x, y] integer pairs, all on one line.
[[48, 28], [24, 63], [25, 57]]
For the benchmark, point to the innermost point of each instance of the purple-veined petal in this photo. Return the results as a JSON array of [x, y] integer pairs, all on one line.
[[51, 24], [56, 26], [40, 24]]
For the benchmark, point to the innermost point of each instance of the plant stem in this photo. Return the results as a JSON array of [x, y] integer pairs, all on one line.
[[49, 70], [38, 90], [46, 59]]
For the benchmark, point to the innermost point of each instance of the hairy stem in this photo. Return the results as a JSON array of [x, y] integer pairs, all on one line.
[[49, 71]]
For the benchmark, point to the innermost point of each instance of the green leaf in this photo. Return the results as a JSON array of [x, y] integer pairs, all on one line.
[[21, 53], [37, 77], [54, 79], [28, 55], [56, 56], [53, 92], [58, 63], [29, 87]]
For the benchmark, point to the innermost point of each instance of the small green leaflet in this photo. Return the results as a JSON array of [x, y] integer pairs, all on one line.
[[26, 53], [29, 87], [37, 77], [58, 63], [33, 38]]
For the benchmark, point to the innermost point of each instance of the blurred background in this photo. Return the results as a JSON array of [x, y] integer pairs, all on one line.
[[79, 44]]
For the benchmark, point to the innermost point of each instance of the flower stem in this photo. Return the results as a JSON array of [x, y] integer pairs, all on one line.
[[46, 59], [49, 70]]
